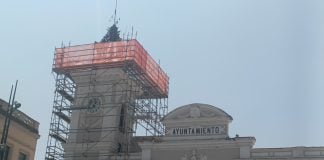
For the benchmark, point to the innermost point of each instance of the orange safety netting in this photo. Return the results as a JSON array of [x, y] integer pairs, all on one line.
[[112, 54]]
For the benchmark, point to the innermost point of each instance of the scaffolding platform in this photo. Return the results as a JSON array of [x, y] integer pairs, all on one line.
[[113, 55]]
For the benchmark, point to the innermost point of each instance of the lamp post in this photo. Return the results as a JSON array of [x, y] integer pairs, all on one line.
[[12, 106]]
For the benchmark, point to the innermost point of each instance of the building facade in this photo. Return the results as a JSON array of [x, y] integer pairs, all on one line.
[[200, 132], [23, 134]]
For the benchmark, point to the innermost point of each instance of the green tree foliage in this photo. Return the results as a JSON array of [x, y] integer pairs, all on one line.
[[112, 35]]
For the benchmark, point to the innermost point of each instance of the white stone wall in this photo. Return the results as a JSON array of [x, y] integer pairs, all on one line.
[[96, 131]]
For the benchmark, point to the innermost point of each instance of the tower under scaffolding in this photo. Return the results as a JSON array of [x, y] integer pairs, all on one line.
[[106, 93]]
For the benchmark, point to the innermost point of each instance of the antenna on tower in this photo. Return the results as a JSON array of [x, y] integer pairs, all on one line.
[[115, 14]]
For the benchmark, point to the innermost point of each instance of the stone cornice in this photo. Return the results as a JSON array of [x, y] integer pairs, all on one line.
[[202, 144], [20, 118]]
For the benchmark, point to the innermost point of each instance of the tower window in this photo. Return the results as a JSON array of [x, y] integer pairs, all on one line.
[[122, 119], [120, 148]]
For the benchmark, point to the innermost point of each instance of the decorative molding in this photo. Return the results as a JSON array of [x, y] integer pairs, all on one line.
[[201, 144], [194, 155], [197, 113]]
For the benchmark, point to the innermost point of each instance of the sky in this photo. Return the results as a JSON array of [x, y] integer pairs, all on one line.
[[261, 61]]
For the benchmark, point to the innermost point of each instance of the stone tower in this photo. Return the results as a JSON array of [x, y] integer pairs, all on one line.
[[104, 90]]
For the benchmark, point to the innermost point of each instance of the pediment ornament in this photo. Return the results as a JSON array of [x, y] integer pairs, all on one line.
[[195, 112], [194, 155]]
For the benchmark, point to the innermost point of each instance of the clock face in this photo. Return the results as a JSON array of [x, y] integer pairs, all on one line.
[[94, 104], [90, 119]]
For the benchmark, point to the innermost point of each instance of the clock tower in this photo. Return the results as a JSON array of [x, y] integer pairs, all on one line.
[[105, 92]]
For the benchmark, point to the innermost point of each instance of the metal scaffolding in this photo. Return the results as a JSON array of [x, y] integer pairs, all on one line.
[[60, 119], [142, 89]]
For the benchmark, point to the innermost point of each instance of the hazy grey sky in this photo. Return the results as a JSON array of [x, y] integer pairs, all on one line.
[[259, 60]]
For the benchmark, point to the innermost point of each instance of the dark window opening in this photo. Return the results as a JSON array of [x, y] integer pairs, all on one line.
[[120, 148], [22, 156], [6, 153], [122, 119]]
